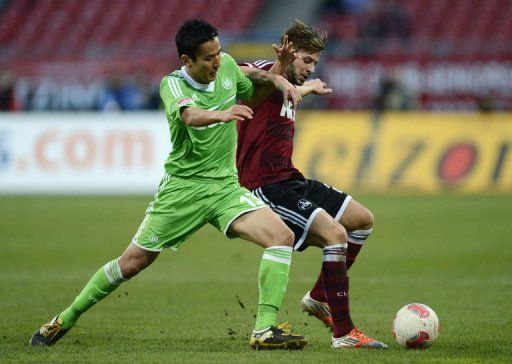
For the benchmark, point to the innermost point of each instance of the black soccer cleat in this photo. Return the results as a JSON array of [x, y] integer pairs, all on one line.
[[278, 337], [49, 333]]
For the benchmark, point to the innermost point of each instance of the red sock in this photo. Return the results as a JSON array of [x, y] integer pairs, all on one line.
[[356, 239], [352, 252], [317, 292], [336, 286]]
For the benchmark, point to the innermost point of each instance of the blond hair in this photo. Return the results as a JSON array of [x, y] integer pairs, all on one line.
[[305, 37]]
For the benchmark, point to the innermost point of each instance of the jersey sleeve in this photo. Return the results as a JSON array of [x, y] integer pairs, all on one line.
[[173, 97], [262, 64], [244, 86]]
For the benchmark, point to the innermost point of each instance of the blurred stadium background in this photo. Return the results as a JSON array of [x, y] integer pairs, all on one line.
[[398, 54], [447, 63], [421, 114]]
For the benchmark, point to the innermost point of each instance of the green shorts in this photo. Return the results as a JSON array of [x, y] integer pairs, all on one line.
[[181, 207]]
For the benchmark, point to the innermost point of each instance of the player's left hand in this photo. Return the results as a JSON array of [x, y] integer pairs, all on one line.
[[289, 91], [285, 54], [317, 87]]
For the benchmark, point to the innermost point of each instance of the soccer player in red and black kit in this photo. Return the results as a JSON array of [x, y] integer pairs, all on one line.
[[318, 214]]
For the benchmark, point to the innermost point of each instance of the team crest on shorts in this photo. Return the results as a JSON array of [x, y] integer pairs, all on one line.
[[304, 204]]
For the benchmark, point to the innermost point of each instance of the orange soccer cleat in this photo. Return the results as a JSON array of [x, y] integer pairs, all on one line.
[[318, 309], [357, 339]]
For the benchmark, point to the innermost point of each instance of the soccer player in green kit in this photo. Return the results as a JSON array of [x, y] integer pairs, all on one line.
[[201, 186]]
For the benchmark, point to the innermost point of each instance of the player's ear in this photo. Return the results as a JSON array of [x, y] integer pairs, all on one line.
[[185, 59]]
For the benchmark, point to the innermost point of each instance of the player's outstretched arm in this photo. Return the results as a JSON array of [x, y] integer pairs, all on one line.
[[315, 86], [194, 116], [264, 78], [285, 55]]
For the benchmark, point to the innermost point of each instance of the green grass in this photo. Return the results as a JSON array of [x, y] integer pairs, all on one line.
[[451, 253]]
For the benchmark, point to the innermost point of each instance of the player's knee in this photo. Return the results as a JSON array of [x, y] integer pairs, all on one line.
[[335, 234], [281, 236], [129, 270], [365, 221], [131, 266]]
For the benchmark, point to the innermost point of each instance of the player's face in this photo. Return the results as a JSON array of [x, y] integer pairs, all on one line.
[[204, 68], [303, 67]]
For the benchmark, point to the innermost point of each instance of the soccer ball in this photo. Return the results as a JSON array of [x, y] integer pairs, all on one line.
[[415, 326]]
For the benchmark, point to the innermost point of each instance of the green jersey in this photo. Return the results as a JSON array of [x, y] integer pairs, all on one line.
[[205, 152]]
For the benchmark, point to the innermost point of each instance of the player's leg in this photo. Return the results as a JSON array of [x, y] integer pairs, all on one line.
[[286, 199], [297, 202], [327, 233], [239, 214], [266, 229], [106, 280], [170, 218], [102, 283], [331, 237], [358, 221]]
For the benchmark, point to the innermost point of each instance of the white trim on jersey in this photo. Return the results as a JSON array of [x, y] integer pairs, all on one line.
[[262, 63], [177, 86], [209, 87], [174, 87]]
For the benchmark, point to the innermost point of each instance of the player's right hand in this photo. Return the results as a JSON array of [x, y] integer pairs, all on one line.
[[236, 113], [285, 54]]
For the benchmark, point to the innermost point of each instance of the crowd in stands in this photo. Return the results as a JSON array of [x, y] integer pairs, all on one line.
[[419, 27], [115, 92], [390, 33]]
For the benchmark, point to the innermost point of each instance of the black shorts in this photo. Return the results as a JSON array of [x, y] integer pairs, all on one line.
[[298, 201]]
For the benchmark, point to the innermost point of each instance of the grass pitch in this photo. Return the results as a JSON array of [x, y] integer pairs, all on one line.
[[198, 304]]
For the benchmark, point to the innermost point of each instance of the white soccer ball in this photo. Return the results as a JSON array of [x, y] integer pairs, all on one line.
[[415, 326]]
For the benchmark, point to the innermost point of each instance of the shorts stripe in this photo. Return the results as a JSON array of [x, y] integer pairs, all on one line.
[[306, 229], [343, 208], [282, 211], [282, 214], [166, 178]]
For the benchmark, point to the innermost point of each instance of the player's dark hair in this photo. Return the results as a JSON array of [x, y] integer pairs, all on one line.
[[305, 37], [192, 34]]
